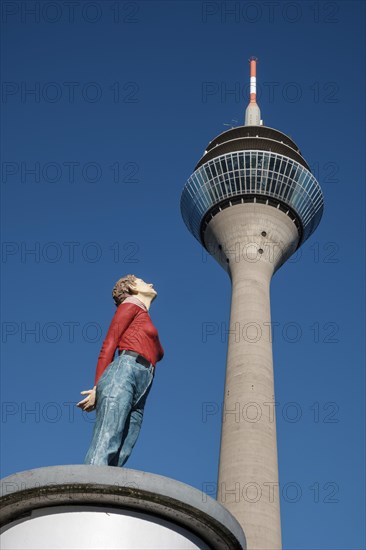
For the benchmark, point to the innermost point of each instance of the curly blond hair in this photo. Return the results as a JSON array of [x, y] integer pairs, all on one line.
[[122, 289]]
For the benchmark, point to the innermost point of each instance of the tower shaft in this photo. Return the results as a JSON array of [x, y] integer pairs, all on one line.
[[248, 471]]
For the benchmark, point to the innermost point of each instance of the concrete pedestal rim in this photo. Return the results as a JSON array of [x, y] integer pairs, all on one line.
[[134, 490]]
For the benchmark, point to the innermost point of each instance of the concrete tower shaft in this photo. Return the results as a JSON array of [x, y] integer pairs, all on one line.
[[248, 470]]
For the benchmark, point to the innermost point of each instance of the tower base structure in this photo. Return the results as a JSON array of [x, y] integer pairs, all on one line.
[[105, 507], [251, 241]]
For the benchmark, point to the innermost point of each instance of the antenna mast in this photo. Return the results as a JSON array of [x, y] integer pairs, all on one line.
[[252, 113]]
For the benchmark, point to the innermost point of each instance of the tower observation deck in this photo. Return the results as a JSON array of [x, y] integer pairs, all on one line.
[[251, 202]]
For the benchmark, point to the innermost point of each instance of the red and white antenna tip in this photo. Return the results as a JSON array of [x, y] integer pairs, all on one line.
[[252, 114], [253, 79]]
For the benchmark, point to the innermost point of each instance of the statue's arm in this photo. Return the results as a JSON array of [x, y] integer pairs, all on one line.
[[123, 317]]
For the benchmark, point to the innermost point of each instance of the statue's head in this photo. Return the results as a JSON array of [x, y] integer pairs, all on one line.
[[124, 288], [130, 285]]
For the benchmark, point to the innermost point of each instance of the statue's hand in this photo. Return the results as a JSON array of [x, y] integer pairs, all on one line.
[[89, 403]]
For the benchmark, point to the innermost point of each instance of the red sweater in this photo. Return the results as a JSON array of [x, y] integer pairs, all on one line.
[[131, 328]]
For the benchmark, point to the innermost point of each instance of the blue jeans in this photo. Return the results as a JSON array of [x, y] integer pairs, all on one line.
[[121, 395]]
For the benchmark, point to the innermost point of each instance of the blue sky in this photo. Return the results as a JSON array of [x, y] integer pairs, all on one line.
[[126, 97]]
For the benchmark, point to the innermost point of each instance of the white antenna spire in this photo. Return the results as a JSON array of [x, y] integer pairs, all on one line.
[[252, 113]]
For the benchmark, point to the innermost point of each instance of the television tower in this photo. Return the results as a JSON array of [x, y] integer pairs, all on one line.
[[251, 202]]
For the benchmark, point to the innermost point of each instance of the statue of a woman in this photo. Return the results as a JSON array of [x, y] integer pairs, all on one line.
[[122, 384]]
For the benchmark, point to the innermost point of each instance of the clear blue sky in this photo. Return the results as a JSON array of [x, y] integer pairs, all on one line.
[[125, 103]]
